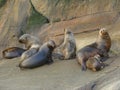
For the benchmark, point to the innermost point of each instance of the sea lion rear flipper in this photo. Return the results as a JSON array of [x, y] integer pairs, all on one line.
[[50, 62], [84, 68]]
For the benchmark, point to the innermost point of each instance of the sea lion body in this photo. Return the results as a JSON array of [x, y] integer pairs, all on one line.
[[67, 50], [12, 52], [85, 53], [94, 63], [104, 42], [32, 44], [28, 53], [100, 47], [43, 56]]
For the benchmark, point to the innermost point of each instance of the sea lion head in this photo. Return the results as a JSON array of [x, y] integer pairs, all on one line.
[[24, 38], [67, 31], [103, 32], [51, 44], [68, 34]]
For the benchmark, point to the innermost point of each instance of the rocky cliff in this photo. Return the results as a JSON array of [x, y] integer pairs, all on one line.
[[57, 10], [27, 16]]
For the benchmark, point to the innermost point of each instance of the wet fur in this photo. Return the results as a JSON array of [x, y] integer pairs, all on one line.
[[43, 56]]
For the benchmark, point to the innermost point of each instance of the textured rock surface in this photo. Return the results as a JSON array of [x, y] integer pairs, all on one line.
[[65, 74], [56, 10], [13, 20], [83, 17], [14, 17]]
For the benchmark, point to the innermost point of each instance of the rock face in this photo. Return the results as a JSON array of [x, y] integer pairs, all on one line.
[[57, 10], [14, 16]]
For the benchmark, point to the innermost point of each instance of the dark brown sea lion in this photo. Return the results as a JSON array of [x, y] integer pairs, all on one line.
[[12, 52], [100, 47], [85, 53], [67, 50], [94, 63], [43, 56], [104, 42]]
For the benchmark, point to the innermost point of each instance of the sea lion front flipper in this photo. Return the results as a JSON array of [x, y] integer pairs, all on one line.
[[50, 60]]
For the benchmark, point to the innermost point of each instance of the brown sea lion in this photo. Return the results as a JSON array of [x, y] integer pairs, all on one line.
[[85, 53], [43, 56], [12, 52], [100, 47], [94, 63], [67, 50], [104, 42]]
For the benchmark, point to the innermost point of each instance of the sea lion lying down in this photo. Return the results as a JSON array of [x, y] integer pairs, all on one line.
[[43, 56], [12, 52]]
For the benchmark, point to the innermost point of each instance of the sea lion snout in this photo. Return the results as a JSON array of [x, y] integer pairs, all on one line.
[[22, 40], [103, 31]]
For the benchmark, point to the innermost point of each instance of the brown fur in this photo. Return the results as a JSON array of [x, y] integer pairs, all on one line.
[[104, 42], [94, 63], [100, 47]]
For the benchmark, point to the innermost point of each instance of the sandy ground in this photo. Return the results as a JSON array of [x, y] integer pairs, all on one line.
[[61, 75]]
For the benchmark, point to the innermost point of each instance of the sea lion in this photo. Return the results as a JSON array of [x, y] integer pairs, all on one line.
[[67, 50], [85, 53], [12, 52], [32, 44], [100, 47], [28, 53], [104, 42], [43, 56], [29, 40], [95, 63]]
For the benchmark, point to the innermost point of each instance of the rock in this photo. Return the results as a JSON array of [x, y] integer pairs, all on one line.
[[57, 10], [13, 19]]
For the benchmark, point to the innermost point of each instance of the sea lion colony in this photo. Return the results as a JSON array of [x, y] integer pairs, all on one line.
[[101, 47], [90, 56]]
